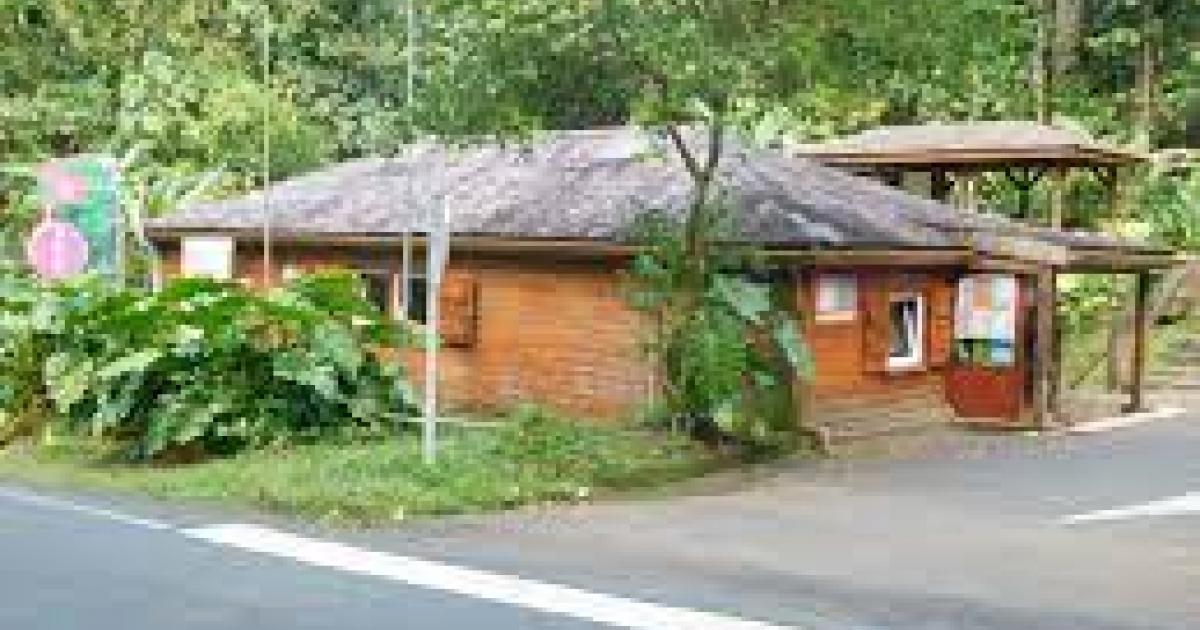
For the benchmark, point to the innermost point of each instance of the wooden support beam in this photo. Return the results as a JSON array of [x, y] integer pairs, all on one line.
[[939, 185], [1058, 196], [1112, 177], [1056, 375], [801, 294], [1141, 333], [1043, 347], [1024, 180]]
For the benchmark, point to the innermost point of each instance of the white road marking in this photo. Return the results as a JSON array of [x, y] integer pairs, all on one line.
[[1172, 506], [29, 498], [496, 587], [1127, 420]]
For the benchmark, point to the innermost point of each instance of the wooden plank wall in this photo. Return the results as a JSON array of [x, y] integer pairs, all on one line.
[[553, 332], [559, 333], [851, 354]]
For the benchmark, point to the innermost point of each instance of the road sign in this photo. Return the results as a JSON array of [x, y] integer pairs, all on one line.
[[57, 250]]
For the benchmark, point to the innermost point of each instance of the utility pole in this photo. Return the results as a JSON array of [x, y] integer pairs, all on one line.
[[266, 148], [436, 251]]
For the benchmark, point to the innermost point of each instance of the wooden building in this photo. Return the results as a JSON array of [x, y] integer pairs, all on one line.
[[532, 305]]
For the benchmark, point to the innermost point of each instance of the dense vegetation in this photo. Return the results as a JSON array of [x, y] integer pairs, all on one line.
[[532, 458], [198, 369], [182, 89], [185, 78], [723, 333]]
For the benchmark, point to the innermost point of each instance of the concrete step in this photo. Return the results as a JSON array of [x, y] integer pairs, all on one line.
[[864, 422], [856, 402]]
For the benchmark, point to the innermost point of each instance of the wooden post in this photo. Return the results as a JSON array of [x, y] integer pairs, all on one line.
[[1058, 195], [972, 192], [802, 391], [939, 185], [1137, 370], [1113, 179], [1056, 368], [1043, 347]]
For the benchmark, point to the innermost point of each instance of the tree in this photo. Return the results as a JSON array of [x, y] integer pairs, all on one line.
[[693, 69]]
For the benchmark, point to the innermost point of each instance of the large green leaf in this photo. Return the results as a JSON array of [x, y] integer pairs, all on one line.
[[68, 379], [750, 301], [795, 351], [132, 363]]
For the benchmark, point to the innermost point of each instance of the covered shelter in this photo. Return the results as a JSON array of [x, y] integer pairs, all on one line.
[[542, 234], [953, 156]]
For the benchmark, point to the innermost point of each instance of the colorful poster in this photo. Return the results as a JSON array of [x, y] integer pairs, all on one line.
[[985, 323], [84, 192]]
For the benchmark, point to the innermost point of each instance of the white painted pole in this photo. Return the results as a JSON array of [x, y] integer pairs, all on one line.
[[435, 232]]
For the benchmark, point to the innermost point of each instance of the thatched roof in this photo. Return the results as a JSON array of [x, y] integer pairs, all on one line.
[[592, 185], [1005, 142]]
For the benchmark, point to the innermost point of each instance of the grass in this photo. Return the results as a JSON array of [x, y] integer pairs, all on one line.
[[534, 459]]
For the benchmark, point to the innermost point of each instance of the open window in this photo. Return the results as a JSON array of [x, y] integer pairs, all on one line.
[[377, 289], [392, 293], [417, 296], [906, 318]]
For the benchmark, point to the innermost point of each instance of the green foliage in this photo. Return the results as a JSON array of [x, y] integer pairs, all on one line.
[[1171, 205], [202, 366], [725, 345], [534, 457], [1087, 302]]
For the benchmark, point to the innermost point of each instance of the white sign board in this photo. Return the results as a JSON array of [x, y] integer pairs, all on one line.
[[987, 308], [208, 257]]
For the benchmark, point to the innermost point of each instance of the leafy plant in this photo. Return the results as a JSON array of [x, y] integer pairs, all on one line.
[[726, 347], [202, 367]]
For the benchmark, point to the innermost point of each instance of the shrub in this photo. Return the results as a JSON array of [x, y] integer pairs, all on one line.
[[724, 340], [202, 366]]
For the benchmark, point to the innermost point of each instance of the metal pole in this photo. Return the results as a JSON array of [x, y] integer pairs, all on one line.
[[121, 223], [266, 147], [406, 274], [435, 259]]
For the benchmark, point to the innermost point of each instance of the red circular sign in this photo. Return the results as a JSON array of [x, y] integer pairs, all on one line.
[[57, 250]]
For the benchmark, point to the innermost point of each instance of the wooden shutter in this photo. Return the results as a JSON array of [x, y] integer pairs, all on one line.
[[874, 295], [941, 320], [458, 306]]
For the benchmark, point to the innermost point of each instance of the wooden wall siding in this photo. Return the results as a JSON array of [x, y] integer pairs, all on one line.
[[855, 395], [851, 355], [556, 332], [559, 333]]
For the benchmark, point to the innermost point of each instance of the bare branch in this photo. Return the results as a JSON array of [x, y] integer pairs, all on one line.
[[689, 159]]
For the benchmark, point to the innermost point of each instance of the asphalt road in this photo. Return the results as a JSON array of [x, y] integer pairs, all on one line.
[[963, 537]]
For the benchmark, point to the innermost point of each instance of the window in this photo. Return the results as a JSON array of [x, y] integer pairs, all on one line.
[[907, 323], [377, 289], [418, 298], [208, 257], [837, 297], [291, 273], [385, 289]]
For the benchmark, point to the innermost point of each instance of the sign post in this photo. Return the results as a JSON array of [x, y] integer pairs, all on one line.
[[437, 251]]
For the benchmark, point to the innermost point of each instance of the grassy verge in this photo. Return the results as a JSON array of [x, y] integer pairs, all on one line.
[[531, 460]]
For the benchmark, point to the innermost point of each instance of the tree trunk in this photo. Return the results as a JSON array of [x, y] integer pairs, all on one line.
[[1043, 66], [1068, 16], [1146, 82]]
